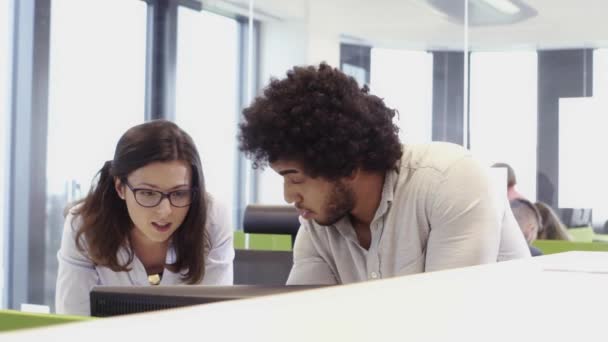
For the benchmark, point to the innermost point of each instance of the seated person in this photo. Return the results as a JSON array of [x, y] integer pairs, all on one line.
[[369, 207], [512, 193], [552, 227], [147, 221], [528, 220]]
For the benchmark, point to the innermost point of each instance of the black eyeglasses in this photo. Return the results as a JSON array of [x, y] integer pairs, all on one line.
[[148, 198]]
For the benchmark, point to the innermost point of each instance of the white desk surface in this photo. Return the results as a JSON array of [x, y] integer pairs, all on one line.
[[551, 298]]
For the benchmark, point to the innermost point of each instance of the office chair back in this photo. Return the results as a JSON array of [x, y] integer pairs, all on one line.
[[271, 219], [256, 267]]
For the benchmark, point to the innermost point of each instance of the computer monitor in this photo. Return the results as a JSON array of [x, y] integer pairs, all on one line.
[[120, 300]]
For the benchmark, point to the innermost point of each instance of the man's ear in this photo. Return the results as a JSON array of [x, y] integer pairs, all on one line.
[[353, 175], [120, 188]]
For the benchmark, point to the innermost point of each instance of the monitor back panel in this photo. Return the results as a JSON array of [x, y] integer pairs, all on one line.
[[120, 300]]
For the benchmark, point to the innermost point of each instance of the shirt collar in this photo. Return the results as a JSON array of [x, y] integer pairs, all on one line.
[[388, 190]]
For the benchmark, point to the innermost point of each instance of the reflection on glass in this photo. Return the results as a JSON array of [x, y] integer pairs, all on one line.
[[582, 155], [582, 160], [503, 107], [5, 50], [600, 73], [207, 94], [96, 92]]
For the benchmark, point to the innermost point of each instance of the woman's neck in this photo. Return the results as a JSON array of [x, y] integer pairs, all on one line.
[[152, 254]]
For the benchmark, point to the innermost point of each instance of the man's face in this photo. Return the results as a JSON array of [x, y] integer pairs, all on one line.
[[319, 199]]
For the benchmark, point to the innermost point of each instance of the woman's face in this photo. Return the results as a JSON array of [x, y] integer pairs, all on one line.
[[157, 223]]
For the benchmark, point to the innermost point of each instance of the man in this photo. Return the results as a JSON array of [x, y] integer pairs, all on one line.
[[529, 221], [369, 207], [512, 193]]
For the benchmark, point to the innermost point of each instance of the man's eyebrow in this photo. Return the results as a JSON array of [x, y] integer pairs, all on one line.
[[288, 171]]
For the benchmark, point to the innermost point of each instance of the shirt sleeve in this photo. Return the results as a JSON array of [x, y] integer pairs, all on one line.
[[309, 268], [76, 274], [465, 219], [218, 264], [513, 244]]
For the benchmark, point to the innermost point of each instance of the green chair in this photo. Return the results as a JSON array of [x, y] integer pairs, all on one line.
[[559, 246], [600, 238], [262, 242], [266, 261], [15, 320]]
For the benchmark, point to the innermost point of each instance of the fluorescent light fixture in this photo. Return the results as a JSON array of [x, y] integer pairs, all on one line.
[[505, 6], [485, 12]]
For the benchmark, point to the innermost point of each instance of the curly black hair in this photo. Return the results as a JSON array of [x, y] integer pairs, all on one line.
[[320, 117]]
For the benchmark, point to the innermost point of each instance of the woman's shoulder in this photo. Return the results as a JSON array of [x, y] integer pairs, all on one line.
[[71, 227], [73, 218], [216, 209], [218, 218]]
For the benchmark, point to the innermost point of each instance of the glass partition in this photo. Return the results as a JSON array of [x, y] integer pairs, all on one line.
[[5, 57], [96, 92], [207, 94], [538, 94], [408, 52]]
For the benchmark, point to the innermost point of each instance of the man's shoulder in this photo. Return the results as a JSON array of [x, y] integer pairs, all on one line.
[[438, 156]]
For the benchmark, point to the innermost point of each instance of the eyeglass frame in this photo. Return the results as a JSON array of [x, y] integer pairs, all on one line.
[[163, 195]]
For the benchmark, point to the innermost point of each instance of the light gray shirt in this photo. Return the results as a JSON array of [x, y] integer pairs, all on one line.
[[77, 274], [438, 211]]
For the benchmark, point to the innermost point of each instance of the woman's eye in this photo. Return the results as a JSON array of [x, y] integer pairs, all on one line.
[[147, 193], [181, 193]]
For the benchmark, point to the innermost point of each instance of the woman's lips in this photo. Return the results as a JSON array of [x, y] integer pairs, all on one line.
[[161, 227]]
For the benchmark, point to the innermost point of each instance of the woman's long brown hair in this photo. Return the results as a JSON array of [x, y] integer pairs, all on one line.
[[552, 227], [104, 221]]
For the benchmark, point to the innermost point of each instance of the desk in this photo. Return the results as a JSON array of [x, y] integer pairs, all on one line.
[[522, 300]]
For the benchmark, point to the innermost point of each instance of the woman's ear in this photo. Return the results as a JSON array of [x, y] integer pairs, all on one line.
[[120, 188]]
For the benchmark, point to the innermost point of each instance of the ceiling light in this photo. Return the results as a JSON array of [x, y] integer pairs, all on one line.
[[485, 12], [504, 6]]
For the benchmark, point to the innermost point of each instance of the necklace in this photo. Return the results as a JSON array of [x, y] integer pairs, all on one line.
[[154, 279]]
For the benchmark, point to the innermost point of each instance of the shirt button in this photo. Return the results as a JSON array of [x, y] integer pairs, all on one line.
[[374, 275]]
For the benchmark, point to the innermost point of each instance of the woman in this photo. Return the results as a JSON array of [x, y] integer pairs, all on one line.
[[147, 221], [552, 227]]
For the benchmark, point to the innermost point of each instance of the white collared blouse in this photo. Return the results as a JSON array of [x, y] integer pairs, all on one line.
[[77, 274]]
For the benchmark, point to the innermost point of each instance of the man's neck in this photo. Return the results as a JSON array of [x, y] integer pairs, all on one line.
[[368, 194]]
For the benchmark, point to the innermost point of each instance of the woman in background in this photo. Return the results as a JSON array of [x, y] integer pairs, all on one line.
[[552, 227], [147, 221]]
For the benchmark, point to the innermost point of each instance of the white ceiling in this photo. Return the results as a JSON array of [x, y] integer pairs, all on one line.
[[415, 24]]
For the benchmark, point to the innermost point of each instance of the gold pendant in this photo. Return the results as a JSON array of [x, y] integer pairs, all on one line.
[[154, 279]]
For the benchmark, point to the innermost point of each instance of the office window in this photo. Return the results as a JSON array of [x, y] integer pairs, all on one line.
[[96, 92], [5, 53], [404, 79], [503, 112], [207, 95]]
